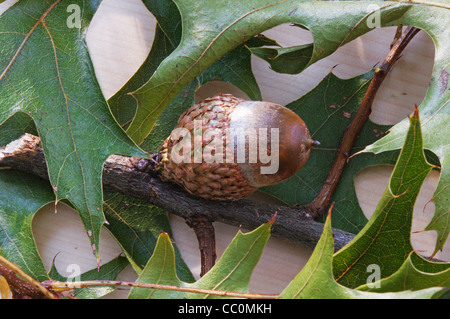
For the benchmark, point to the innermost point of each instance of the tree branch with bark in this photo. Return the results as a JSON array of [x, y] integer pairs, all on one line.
[[137, 178]]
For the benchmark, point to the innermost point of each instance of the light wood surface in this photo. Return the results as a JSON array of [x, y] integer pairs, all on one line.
[[119, 39]]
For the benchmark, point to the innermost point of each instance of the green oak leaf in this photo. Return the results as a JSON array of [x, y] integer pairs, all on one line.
[[107, 271], [234, 67], [385, 239], [316, 279], [46, 73], [15, 126], [205, 40], [169, 118], [137, 240], [21, 196], [136, 225], [410, 277], [290, 60], [160, 269], [232, 271], [167, 37], [434, 110]]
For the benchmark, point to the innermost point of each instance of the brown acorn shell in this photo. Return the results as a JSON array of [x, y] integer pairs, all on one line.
[[218, 180], [294, 142]]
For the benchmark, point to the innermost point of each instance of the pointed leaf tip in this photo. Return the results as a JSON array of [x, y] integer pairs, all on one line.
[[164, 236], [272, 220], [330, 210], [415, 114]]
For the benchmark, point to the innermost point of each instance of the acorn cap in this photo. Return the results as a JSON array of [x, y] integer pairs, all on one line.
[[224, 148]]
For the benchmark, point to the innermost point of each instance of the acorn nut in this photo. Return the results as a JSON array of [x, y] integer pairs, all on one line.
[[225, 148]]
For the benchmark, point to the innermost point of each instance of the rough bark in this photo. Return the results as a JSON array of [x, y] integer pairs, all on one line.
[[136, 177]]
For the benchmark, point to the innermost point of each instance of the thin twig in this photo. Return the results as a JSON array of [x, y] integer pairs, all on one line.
[[397, 36], [425, 3], [60, 286], [322, 200]]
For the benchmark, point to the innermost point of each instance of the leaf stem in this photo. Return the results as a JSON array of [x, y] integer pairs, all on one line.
[[27, 285], [59, 286], [322, 200], [426, 3]]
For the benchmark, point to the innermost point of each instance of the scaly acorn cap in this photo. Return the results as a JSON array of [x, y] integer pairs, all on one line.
[[225, 148]]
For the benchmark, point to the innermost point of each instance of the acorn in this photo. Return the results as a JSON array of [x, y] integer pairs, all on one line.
[[225, 148]]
